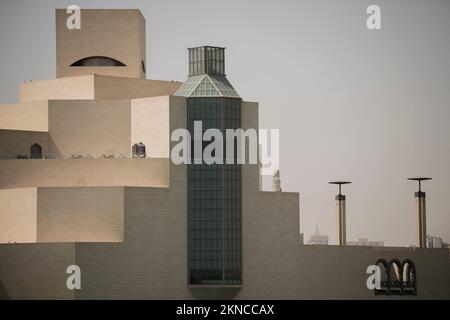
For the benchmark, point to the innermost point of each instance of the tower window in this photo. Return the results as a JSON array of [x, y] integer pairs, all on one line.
[[98, 61], [138, 150], [36, 151]]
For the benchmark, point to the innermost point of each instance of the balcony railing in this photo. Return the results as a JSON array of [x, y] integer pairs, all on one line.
[[67, 156]]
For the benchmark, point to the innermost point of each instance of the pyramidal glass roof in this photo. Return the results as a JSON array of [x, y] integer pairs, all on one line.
[[206, 85]]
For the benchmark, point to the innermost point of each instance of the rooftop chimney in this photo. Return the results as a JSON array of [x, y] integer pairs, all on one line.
[[421, 225], [340, 211]]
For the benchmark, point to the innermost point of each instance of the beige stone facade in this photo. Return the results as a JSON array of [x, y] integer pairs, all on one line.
[[116, 34], [90, 87], [123, 220]]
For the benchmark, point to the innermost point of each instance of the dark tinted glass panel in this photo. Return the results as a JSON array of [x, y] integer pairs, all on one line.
[[214, 201]]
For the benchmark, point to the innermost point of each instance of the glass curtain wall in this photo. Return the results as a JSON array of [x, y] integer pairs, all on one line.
[[214, 200]]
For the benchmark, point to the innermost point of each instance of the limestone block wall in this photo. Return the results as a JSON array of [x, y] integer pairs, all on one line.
[[270, 239], [277, 266], [251, 180], [80, 87], [129, 88], [84, 172], [18, 215], [151, 263], [90, 127], [74, 214], [80, 214], [332, 272], [30, 116], [35, 271], [150, 125], [14, 143], [90, 87]]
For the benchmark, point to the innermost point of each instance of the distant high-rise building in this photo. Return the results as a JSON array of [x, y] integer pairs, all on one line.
[[434, 242], [318, 238], [365, 242]]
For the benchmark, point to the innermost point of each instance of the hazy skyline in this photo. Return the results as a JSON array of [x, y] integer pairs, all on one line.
[[372, 107]]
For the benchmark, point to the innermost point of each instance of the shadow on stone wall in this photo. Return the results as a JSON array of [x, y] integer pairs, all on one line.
[[3, 293]]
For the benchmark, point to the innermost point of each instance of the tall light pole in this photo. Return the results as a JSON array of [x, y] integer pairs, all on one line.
[[340, 211], [421, 213]]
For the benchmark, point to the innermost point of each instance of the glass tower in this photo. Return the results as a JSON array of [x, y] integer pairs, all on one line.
[[214, 190]]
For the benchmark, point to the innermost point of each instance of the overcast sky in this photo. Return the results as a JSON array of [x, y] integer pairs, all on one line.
[[372, 107]]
